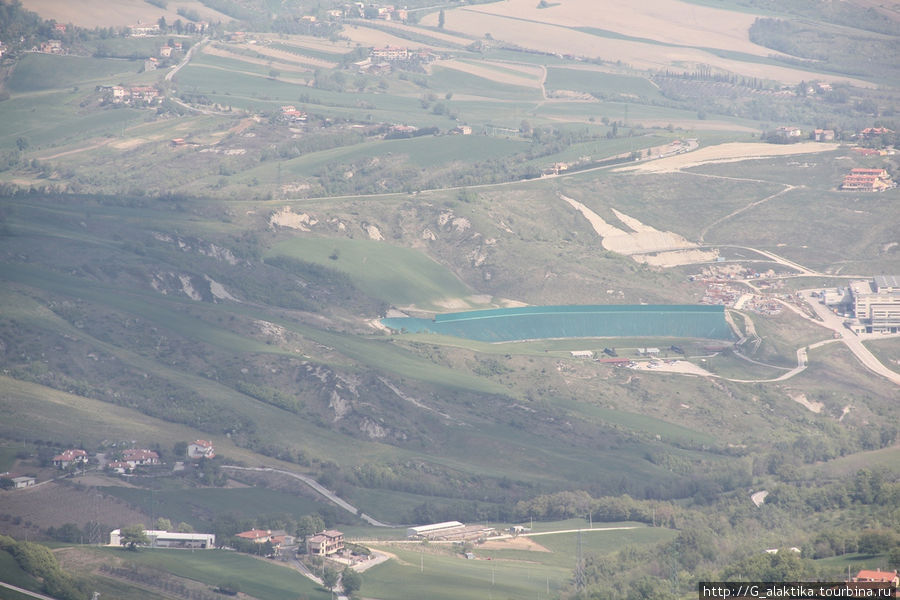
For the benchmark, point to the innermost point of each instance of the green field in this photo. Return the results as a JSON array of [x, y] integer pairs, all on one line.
[[260, 578], [440, 573], [397, 275], [201, 506], [462, 83], [600, 84], [452, 577], [37, 72]]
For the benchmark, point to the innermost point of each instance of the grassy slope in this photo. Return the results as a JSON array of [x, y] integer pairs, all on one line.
[[201, 506], [262, 579], [397, 275]]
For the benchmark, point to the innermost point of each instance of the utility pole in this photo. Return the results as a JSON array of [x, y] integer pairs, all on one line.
[[579, 565]]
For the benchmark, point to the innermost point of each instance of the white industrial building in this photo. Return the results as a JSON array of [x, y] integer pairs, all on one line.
[[434, 530], [876, 303], [170, 539]]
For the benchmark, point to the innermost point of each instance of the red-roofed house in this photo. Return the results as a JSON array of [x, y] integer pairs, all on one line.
[[260, 536], [118, 466], [867, 180], [870, 132], [325, 543], [391, 53], [878, 577], [70, 457], [135, 457], [201, 449]]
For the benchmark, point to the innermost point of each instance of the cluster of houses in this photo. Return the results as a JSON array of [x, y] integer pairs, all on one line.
[[51, 47], [325, 543], [382, 60], [292, 115], [867, 180], [360, 10], [135, 95], [152, 29], [132, 458]]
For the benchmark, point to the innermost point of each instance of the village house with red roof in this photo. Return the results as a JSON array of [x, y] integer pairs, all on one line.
[[201, 449], [867, 180], [70, 457], [877, 576], [259, 536], [325, 543], [139, 456]]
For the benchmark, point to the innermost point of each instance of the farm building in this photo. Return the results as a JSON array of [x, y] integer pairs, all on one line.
[[23, 482], [553, 322], [170, 539], [434, 530]]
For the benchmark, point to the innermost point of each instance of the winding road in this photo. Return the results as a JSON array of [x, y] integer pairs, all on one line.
[[317, 487]]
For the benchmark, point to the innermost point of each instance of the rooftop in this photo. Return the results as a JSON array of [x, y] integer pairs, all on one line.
[[887, 281]]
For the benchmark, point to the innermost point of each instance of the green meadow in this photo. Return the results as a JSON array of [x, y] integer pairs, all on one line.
[[201, 506], [264, 579], [601, 84], [38, 72], [392, 273]]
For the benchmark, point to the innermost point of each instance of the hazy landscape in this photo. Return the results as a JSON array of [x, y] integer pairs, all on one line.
[[266, 227]]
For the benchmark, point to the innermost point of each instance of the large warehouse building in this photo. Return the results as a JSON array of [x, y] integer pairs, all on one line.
[[170, 539], [876, 303]]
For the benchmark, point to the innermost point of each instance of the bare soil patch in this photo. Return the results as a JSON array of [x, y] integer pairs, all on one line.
[[643, 239], [438, 35], [514, 543], [668, 21], [214, 50], [117, 13], [730, 152], [366, 36], [484, 70], [679, 366], [283, 56], [323, 45], [552, 30], [801, 399], [53, 504]]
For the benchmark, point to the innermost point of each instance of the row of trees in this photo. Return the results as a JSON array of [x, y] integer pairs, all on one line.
[[37, 561]]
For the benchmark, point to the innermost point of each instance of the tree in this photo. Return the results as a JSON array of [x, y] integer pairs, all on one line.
[[330, 579], [163, 524], [134, 536], [180, 449], [21, 144], [894, 558], [351, 581], [441, 19], [309, 525], [184, 528]]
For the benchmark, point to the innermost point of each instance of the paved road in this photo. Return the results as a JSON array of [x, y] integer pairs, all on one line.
[[854, 342], [317, 487], [186, 59], [26, 592]]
